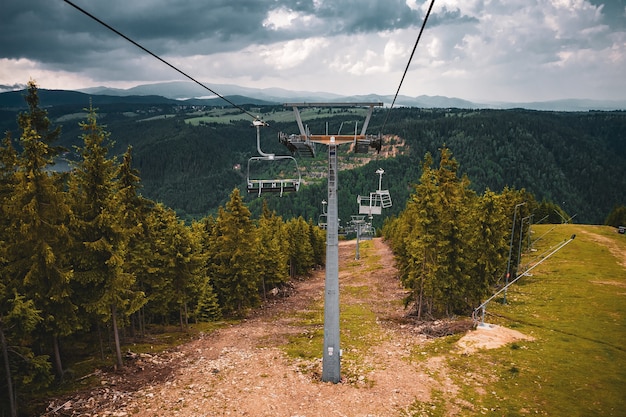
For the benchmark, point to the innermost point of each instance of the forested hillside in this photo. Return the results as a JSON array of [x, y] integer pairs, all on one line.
[[574, 159], [82, 253]]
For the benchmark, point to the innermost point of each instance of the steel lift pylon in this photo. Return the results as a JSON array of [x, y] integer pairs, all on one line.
[[304, 144]]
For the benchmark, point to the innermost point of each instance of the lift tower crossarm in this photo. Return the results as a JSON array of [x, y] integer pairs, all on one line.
[[326, 138]]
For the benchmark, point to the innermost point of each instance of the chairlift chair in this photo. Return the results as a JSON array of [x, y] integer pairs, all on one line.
[[284, 183], [370, 205], [367, 231], [377, 200], [322, 221], [299, 144]]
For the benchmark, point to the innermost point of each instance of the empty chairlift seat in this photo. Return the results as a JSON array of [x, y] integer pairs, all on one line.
[[374, 203], [270, 173], [277, 174]]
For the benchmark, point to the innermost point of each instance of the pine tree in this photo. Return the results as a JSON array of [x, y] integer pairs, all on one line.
[[134, 209], [154, 263], [317, 238], [300, 249], [272, 252], [185, 269], [38, 253], [208, 306], [106, 288], [234, 270], [8, 181], [420, 273], [21, 368], [488, 246], [454, 196]]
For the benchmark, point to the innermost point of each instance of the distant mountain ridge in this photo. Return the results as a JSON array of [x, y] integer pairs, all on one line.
[[191, 93], [184, 90]]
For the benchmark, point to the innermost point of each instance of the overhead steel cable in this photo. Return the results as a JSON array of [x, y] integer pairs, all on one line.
[[408, 63], [85, 12]]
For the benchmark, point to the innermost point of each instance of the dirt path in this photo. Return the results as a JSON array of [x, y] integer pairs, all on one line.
[[612, 246], [243, 370]]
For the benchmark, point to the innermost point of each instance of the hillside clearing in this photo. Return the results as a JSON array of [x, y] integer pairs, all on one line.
[[268, 365]]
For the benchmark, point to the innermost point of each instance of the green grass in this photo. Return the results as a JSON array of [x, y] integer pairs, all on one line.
[[308, 343], [359, 330], [435, 407], [576, 365]]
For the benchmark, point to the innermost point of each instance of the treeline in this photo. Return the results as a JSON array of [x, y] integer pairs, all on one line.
[[575, 159], [452, 245], [83, 254]]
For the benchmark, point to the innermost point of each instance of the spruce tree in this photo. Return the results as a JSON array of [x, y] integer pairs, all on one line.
[[134, 209], [420, 274], [488, 246], [234, 270], [106, 288], [208, 306], [39, 251], [300, 250], [272, 251]]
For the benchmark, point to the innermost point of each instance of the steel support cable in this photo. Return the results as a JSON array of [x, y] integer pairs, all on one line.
[[85, 12], [408, 64]]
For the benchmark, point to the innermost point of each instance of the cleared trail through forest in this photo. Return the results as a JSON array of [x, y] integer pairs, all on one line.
[[244, 370]]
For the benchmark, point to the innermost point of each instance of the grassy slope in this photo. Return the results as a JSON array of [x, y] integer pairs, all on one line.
[[574, 306]]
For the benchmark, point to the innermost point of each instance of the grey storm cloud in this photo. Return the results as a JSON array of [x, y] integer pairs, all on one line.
[[473, 48], [53, 32]]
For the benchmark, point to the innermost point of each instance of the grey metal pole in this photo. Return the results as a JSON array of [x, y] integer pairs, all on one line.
[[519, 246], [331, 359], [358, 240], [508, 264]]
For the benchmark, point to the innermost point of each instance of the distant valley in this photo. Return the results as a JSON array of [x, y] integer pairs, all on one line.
[[190, 92]]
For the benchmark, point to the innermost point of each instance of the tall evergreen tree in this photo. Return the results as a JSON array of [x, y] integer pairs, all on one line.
[[207, 306], [39, 251], [8, 181], [421, 240], [317, 237], [272, 251], [40, 254], [452, 245], [487, 246], [31, 227], [133, 208], [234, 270], [106, 288], [300, 250]]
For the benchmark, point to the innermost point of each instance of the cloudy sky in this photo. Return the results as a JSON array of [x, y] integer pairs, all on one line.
[[481, 50]]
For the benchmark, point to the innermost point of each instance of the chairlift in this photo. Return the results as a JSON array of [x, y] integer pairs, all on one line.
[[322, 221], [377, 200], [367, 231], [370, 205], [270, 173]]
